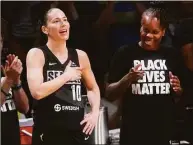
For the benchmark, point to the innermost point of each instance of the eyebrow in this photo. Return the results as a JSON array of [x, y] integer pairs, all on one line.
[[59, 18]]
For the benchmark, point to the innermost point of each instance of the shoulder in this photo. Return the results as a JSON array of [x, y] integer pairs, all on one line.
[[83, 58], [81, 53], [35, 54], [125, 52]]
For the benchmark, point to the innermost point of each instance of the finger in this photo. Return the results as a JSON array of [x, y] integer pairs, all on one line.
[[170, 75], [136, 68], [69, 64], [174, 81], [12, 57], [131, 70], [177, 89], [91, 130], [19, 69], [18, 63], [86, 127], [9, 57], [83, 121], [175, 85], [175, 77], [14, 61], [78, 69], [7, 64]]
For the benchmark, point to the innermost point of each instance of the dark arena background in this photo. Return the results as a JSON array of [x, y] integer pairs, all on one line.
[[101, 29]]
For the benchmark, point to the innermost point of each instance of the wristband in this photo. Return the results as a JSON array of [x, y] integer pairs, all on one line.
[[17, 87]]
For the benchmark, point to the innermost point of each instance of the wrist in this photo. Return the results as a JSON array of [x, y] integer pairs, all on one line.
[[17, 85], [95, 109], [125, 81], [17, 81]]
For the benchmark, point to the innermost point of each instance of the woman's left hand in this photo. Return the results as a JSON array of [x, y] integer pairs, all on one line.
[[90, 120], [175, 83]]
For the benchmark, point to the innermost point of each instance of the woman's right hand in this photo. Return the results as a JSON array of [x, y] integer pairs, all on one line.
[[74, 72], [134, 75]]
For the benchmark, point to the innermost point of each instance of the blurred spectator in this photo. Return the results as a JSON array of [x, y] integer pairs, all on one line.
[[183, 40]]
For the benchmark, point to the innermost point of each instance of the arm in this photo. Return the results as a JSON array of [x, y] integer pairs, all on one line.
[[119, 79], [38, 88], [12, 71], [21, 100], [117, 89], [93, 93]]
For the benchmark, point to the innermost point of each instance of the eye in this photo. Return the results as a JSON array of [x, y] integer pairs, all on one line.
[[56, 21], [145, 30], [65, 19], [155, 32]]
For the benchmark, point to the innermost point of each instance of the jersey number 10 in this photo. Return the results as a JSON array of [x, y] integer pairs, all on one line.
[[76, 92]]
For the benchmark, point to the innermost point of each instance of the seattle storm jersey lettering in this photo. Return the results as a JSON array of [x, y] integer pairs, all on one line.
[[75, 85], [154, 79]]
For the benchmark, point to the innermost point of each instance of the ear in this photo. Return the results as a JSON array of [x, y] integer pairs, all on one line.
[[44, 30], [163, 33]]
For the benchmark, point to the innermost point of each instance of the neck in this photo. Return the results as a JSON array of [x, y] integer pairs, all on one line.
[[57, 46]]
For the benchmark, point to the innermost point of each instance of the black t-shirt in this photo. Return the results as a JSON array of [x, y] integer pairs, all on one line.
[[63, 109], [147, 105], [10, 134]]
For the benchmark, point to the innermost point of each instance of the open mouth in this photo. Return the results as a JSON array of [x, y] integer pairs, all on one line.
[[149, 42], [63, 31]]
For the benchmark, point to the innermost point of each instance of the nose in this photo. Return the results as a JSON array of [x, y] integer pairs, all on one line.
[[149, 35], [63, 23]]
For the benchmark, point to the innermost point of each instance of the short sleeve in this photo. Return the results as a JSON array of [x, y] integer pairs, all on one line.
[[118, 65]]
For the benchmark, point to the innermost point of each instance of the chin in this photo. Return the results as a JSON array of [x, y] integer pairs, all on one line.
[[65, 38], [149, 47]]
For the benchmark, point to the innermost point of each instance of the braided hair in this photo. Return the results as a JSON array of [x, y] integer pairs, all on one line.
[[158, 10]]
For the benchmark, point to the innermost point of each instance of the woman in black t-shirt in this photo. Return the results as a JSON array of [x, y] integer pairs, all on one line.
[[143, 75]]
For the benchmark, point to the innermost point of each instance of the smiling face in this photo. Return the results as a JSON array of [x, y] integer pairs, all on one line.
[[151, 32], [57, 26]]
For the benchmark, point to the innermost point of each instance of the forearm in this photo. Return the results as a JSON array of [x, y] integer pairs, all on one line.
[[117, 89], [21, 100], [94, 98], [45, 89]]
